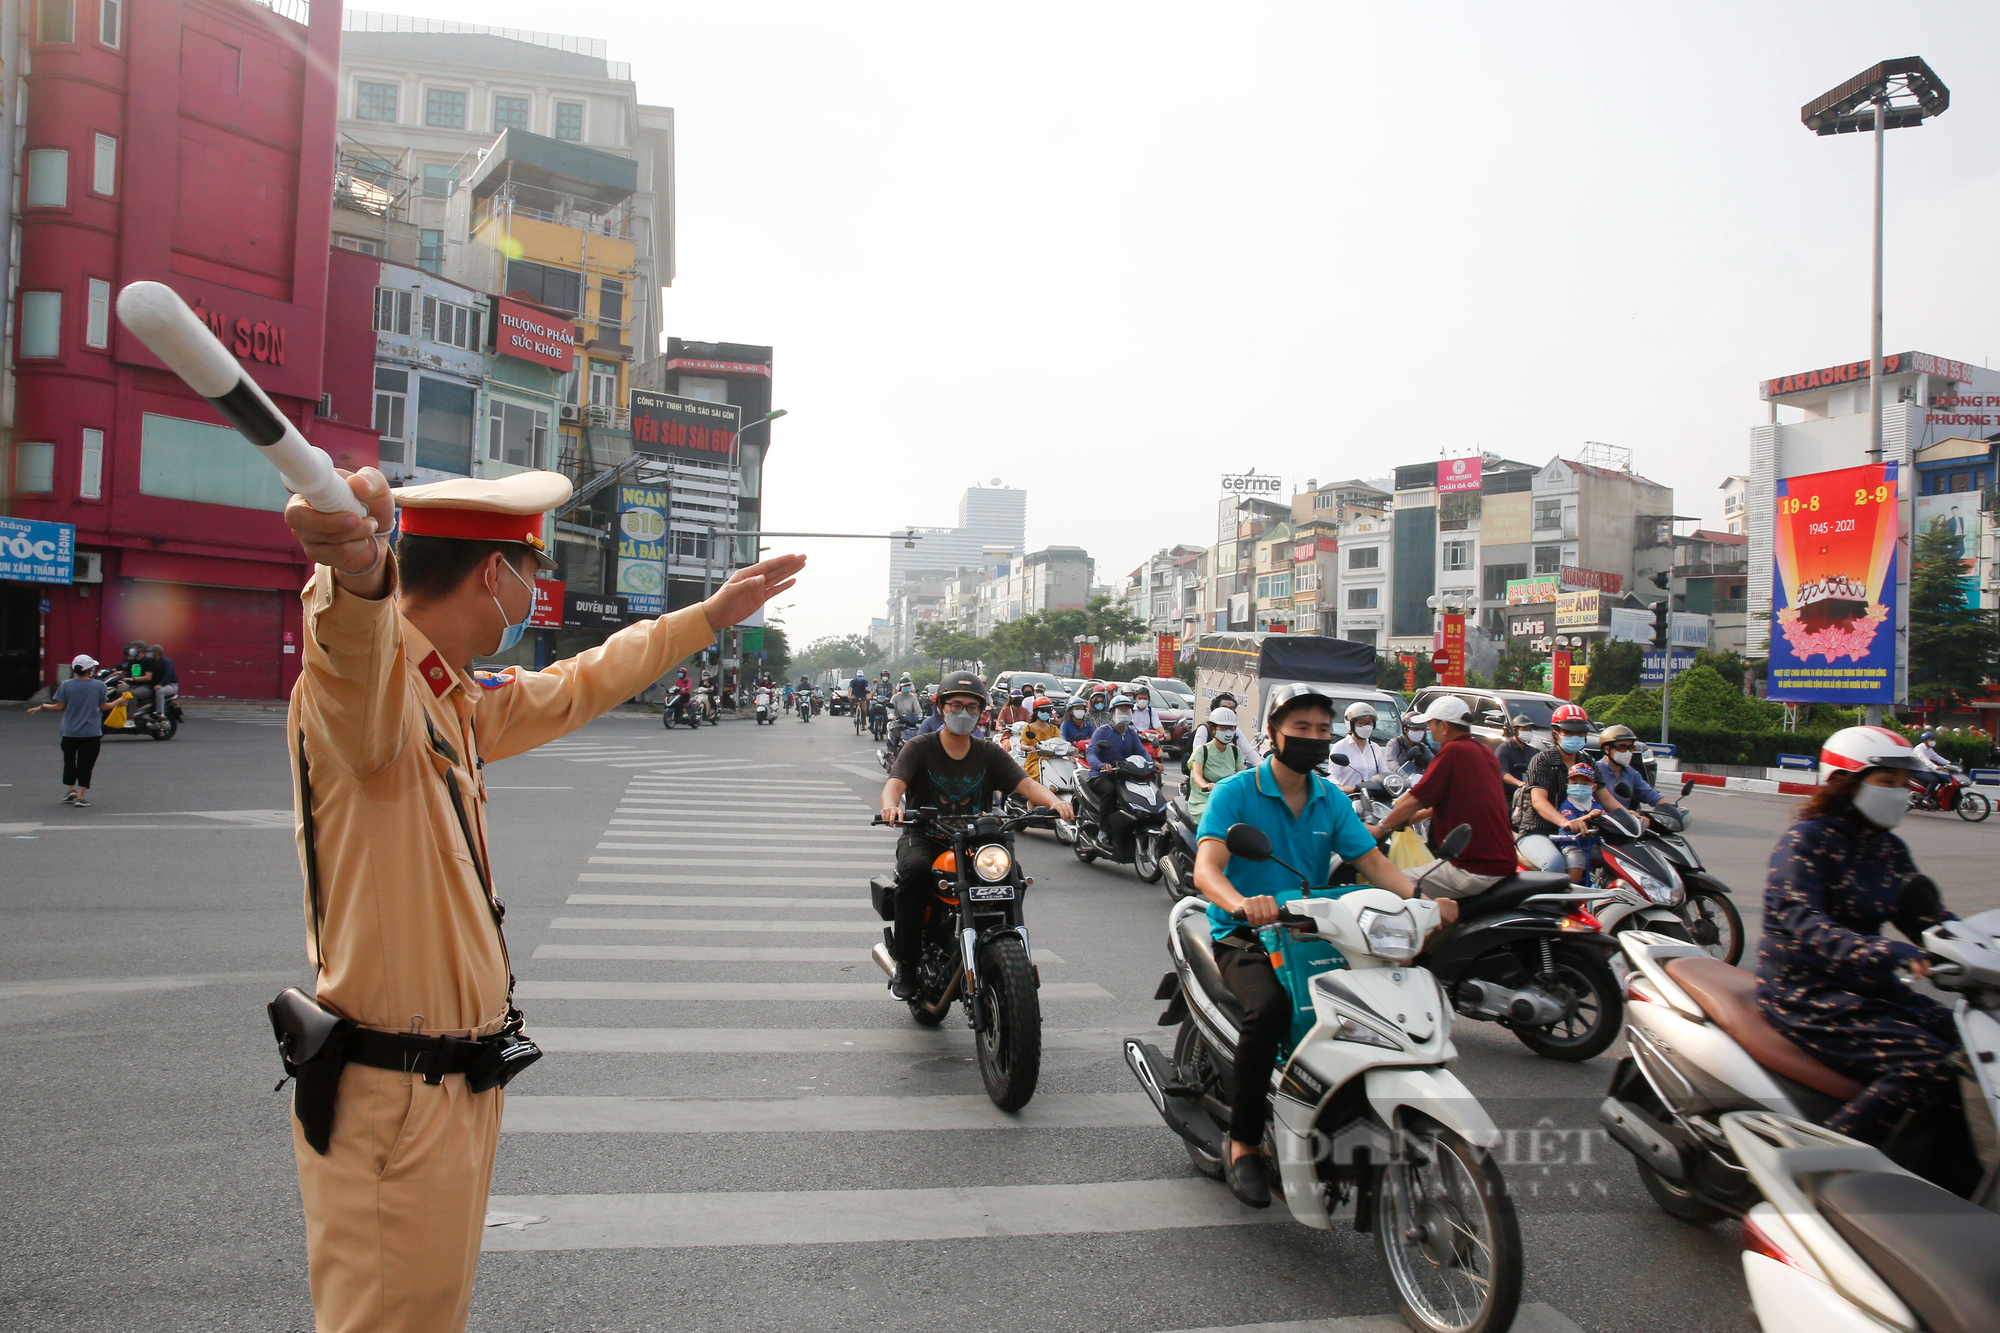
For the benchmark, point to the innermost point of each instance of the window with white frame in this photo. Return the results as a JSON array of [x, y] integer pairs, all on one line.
[[48, 178], [517, 435], [1361, 599], [97, 315], [392, 401], [569, 121], [358, 244], [104, 166], [1305, 578], [1458, 555], [1324, 500], [450, 323], [603, 384], [375, 101], [110, 22], [90, 476], [444, 108], [1364, 557], [392, 310], [510, 112], [41, 324], [34, 469], [1548, 559]]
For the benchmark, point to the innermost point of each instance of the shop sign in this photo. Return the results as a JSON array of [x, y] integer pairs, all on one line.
[[548, 612], [1527, 627], [1528, 592], [1579, 610], [697, 366], [642, 548], [248, 340], [1458, 474], [36, 552], [1170, 646], [589, 610], [1250, 483], [525, 333], [684, 427], [1576, 576]]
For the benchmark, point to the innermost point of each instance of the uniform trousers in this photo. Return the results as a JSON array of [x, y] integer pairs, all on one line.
[[396, 1207], [1902, 1054], [1267, 1017]]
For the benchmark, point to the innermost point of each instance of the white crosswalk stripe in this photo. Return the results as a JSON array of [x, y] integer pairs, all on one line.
[[841, 992], [952, 1039], [764, 1115], [746, 903], [719, 953], [748, 881], [762, 926]]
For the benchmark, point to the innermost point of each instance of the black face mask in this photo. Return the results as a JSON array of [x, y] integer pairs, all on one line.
[[1302, 754]]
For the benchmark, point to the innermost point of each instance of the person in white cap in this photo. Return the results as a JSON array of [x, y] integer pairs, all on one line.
[[1461, 786], [83, 702], [1367, 758], [388, 732]]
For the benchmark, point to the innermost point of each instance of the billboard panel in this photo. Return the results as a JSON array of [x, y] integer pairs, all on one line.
[[1505, 520], [36, 552], [642, 548], [1458, 474], [1833, 603], [683, 427], [1529, 592], [1579, 610]]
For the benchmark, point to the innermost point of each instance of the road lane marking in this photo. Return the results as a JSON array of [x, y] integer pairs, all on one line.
[[824, 860], [732, 881], [793, 1115], [815, 785], [733, 803], [717, 953], [828, 1217], [753, 904], [678, 828], [24, 990], [772, 926], [797, 849], [868, 992], [951, 1039]]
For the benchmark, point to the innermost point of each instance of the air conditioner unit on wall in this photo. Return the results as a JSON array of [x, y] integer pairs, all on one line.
[[569, 412], [89, 567]]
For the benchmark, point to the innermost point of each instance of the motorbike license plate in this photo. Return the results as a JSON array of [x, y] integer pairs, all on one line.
[[992, 893]]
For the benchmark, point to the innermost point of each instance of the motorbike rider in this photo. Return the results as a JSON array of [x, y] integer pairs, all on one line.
[[1110, 746], [1579, 806], [1935, 768], [166, 681], [906, 710], [1224, 699], [1015, 711], [1144, 716], [1367, 758], [680, 695], [1516, 752], [1411, 751], [1100, 709], [1214, 760], [1461, 786], [1827, 978], [1309, 824], [1546, 783], [958, 774], [1076, 728], [857, 692], [135, 675], [1619, 769], [1040, 727]]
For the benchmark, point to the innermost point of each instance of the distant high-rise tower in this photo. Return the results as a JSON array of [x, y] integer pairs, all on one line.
[[988, 517]]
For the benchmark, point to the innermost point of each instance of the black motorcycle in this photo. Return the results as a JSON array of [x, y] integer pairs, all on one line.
[[1711, 918], [1132, 828], [680, 711], [878, 719], [975, 946], [1177, 856]]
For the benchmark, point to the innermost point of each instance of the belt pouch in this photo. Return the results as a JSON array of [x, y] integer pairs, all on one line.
[[312, 1042]]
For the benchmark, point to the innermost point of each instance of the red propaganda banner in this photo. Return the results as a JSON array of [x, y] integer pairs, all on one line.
[[548, 612], [1835, 585], [1086, 659], [1458, 474], [1409, 661], [1170, 646], [526, 333], [1453, 672], [1559, 675]]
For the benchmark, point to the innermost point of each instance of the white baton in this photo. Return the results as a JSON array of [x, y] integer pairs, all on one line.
[[160, 319]]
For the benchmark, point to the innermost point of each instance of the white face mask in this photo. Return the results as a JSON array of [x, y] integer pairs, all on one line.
[[1363, 730], [1623, 758], [1884, 807], [1225, 736]]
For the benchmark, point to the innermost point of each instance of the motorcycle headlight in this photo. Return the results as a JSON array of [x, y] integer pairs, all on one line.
[[992, 862], [1346, 1029], [1661, 892], [1390, 935]]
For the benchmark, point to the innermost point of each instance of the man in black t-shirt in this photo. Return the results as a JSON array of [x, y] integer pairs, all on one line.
[[958, 774]]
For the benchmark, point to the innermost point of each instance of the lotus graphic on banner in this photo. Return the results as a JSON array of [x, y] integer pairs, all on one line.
[[1833, 606], [1458, 474]]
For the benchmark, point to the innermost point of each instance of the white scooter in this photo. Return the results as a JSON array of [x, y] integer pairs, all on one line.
[[1846, 1241], [764, 708], [1364, 1109]]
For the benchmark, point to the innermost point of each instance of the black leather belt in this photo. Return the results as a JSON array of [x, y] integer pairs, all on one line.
[[413, 1053]]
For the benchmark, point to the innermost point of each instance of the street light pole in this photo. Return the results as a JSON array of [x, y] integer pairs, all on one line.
[[1875, 299]]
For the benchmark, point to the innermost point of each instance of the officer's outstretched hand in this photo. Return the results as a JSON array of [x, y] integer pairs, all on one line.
[[346, 541], [749, 588]]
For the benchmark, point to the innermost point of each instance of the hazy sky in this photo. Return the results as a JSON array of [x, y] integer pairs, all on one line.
[[1108, 251]]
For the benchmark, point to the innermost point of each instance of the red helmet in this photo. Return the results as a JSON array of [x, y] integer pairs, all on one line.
[[1570, 715]]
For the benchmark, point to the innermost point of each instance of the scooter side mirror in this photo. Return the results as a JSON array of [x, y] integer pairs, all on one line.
[[1339, 760], [1247, 841], [1455, 842], [1686, 787]]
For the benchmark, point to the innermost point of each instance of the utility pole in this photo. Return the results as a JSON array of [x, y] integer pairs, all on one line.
[[1663, 640]]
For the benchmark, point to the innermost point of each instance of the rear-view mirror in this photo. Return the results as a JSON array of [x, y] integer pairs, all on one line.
[[1247, 841], [1339, 760], [1686, 787], [1455, 842]]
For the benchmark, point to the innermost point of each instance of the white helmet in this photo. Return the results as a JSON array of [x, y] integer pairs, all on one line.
[[1222, 717], [1855, 749], [1360, 709]]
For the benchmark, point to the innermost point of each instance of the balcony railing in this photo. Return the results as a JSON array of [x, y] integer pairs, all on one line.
[[1702, 569]]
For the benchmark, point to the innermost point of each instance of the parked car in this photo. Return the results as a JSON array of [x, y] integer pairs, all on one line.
[[1042, 682], [1492, 708]]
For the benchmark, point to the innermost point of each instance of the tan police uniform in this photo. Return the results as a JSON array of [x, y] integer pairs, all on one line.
[[406, 940]]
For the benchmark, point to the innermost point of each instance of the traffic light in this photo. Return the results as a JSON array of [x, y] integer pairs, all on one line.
[[1660, 623]]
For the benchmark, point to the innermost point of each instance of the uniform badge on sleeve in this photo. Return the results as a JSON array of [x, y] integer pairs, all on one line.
[[493, 680]]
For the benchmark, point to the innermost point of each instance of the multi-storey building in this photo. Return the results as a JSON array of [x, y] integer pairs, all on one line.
[[1056, 578], [1711, 573], [1338, 501], [1230, 587], [994, 517], [1366, 558], [1735, 495], [188, 142]]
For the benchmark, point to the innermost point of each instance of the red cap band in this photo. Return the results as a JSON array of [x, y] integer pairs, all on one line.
[[472, 525]]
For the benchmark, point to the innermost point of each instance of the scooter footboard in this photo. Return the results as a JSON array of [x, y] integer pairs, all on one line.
[[1435, 1093]]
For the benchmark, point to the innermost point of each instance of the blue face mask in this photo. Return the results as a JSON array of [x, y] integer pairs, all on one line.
[[1572, 744], [1580, 795], [511, 634]]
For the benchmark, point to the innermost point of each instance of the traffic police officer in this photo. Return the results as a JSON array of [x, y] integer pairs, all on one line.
[[388, 731]]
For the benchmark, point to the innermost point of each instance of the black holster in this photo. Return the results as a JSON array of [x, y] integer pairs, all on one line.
[[312, 1042]]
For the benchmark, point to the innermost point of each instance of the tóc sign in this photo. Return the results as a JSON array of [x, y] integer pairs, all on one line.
[[33, 552]]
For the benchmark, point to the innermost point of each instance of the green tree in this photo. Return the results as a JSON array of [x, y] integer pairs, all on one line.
[[1614, 669], [1730, 665], [952, 649], [839, 652], [1954, 648], [1515, 669], [1113, 622], [777, 652]]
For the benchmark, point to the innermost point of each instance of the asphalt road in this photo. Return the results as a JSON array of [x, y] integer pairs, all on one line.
[[735, 1128]]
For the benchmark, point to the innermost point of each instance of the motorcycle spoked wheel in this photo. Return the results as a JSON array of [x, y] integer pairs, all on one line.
[[1146, 857], [1446, 1234], [1009, 1042], [1713, 922], [1595, 1005], [1973, 806], [1198, 1067]]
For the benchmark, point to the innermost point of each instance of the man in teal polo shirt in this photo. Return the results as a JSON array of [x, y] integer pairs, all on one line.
[[1309, 822]]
